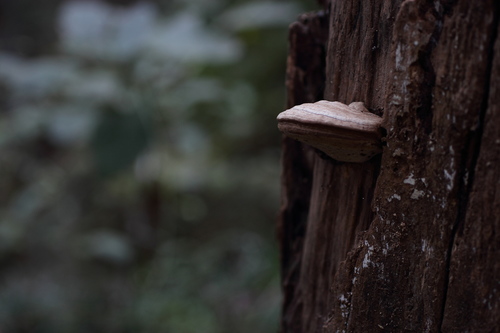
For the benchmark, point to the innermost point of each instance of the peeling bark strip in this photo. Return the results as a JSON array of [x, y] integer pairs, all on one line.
[[422, 256]]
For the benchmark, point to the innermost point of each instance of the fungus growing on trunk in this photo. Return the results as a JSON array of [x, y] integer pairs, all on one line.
[[347, 133]]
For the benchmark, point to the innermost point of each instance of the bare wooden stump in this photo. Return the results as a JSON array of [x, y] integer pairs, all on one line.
[[408, 241]]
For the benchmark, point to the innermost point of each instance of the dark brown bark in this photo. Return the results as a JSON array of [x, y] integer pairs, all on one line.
[[408, 241], [305, 83]]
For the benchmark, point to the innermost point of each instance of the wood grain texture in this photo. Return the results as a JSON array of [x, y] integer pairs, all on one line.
[[305, 79], [397, 277], [332, 233], [408, 242], [473, 291]]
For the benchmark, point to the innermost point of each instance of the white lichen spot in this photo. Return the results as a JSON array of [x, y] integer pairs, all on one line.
[[394, 196], [429, 325], [417, 194], [444, 203], [466, 177], [385, 248], [399, 58], [398, 152], [437, 6], [366, 259], [396, 99], [450, 175], [344, 306], [424, 245], [409, 180]]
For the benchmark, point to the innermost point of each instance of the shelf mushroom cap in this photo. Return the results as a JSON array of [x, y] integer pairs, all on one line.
[[347, 133]]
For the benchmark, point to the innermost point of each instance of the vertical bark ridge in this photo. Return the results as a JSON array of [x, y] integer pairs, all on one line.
[[468, 167], [305, 83], [420, 256]]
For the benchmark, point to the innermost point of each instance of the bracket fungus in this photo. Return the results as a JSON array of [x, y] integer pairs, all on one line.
[[347, 133]]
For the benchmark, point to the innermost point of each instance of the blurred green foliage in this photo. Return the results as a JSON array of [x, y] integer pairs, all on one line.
[[140, 167]]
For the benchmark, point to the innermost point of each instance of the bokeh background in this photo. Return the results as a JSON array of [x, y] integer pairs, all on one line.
[[139, 164]]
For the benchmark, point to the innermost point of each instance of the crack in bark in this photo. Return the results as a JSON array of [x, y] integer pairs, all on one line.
[[468, 165]]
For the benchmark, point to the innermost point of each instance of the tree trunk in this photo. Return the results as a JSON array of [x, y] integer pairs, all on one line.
[[408, 241]]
